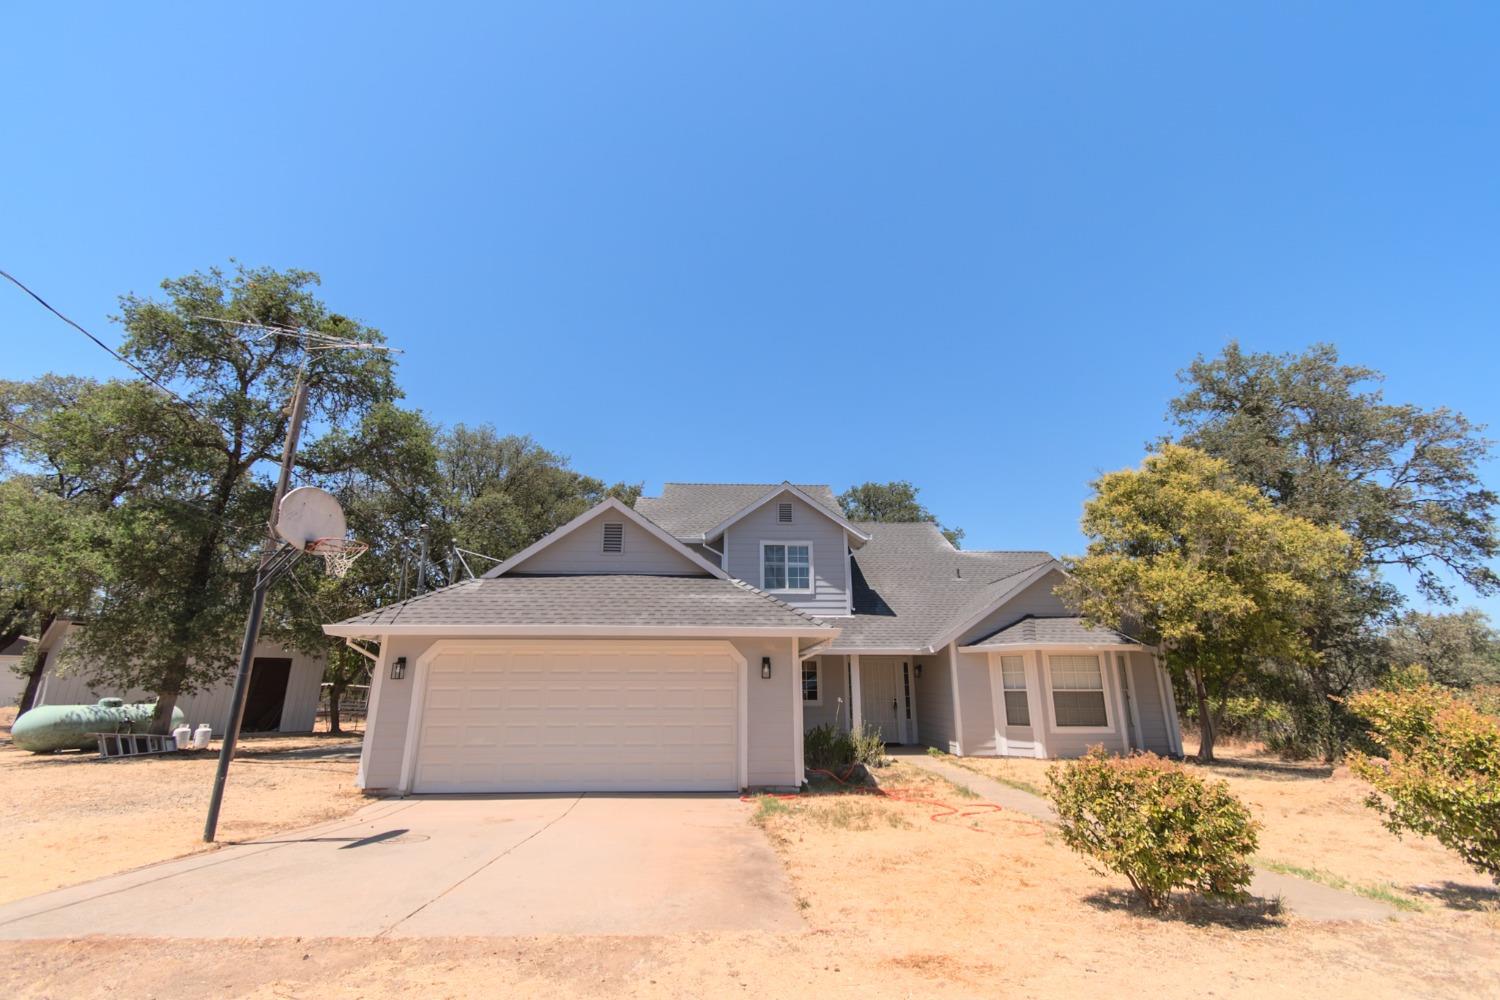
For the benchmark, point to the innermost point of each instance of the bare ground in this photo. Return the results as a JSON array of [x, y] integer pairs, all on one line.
[[71, 817], [897, 904]]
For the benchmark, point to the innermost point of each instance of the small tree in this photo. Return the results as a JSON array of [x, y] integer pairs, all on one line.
[[894, 501], [1157, 824], [1440, 775]]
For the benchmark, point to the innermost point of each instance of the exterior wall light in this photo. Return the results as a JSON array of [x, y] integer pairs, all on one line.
[[398, 668], [917, 668], [765, 668]]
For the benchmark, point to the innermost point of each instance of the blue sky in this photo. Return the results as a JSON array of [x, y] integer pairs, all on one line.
[[964, 244]]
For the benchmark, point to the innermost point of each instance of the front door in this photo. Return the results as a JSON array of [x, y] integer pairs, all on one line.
[[880, 696]]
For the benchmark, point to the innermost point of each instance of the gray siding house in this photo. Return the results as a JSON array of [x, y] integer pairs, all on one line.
[[687, 644]]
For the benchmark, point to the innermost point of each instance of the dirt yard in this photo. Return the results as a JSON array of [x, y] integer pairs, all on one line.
[[71, 817], [897, 904]]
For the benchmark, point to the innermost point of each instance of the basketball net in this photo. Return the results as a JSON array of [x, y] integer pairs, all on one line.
[[338, 554]]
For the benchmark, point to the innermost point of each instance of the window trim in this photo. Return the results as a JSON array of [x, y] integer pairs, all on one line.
[[1104, 690], [812, 580], [817, 662], [1023, 689]]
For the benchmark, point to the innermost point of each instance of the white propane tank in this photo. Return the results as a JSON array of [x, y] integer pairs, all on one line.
[[183, 735], [201, 736]]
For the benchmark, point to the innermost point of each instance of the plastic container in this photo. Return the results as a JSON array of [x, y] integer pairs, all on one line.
[[202, 735], [183, 734]]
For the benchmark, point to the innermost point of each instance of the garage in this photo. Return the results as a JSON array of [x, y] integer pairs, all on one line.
[[578, 716]]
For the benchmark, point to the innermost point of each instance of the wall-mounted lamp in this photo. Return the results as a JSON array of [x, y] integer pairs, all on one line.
[[918, 668], [398, 668], [765, 668]]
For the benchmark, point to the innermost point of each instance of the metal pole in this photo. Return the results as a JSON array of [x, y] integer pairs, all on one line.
[[263, 580], [422, 563]]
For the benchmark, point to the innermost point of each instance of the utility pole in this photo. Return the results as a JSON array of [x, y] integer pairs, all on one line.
[[274, 560]]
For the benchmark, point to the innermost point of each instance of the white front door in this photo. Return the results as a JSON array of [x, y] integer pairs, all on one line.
[[579, 716], [881, 696]]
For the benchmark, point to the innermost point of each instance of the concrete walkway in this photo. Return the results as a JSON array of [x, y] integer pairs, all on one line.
[[1308, 900], [452, 866]]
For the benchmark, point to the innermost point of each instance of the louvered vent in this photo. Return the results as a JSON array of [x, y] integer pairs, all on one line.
[[614, 536], [784, 515]]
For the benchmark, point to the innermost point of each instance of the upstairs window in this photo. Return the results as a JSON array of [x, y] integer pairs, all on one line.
[[1013, 676], [811, 695], [1078, 692], [786, 566], [614, 536]]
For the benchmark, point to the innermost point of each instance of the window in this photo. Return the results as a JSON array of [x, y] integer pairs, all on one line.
[[810, 693], [786, 566], [1013, 677], [784, 513], [1078, 692], [614, 536]]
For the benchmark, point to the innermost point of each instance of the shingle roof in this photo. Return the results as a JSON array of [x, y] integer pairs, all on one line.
[[911, 587], [687, 510], [1033, 631], [622, 600]]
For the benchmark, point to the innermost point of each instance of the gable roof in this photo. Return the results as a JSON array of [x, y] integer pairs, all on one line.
[[859, 536], [609, 504], [912, 588], [691, 510], [1036, 631], [588, 605]]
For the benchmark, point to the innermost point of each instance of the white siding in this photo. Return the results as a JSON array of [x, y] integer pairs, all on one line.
[[830, 564], [772, 741], [977, 704], [833, 685], [66, 683], [582, 551], [935, 703], [12, 684], [1148, 703]]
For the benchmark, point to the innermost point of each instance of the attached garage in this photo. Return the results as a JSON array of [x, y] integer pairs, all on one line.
[[570, 715]]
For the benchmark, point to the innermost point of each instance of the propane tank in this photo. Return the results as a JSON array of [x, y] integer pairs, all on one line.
[[201, 736], [183, 736], [50, 728]]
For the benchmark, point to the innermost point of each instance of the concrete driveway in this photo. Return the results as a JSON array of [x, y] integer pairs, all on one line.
[[452, 866]]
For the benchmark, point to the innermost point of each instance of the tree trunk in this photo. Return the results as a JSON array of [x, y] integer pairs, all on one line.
[[34, 679], [334, 694], [166, 701], [1205, 720]]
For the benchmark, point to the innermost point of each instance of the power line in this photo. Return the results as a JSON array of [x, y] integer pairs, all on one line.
[[112, 352]]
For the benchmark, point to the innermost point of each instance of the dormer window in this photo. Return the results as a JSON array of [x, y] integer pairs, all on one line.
[[786, 567], [614, 537], [784, 513]]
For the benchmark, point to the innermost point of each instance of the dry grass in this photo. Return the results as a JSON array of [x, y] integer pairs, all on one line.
[[73, 817]]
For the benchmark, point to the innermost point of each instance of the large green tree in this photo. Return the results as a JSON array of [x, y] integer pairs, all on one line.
[[1205, 566], [892, 501], [1460, 649], [183, 561], [1320, 440]]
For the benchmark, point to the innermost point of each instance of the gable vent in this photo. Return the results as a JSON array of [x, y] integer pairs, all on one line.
[[614, 536], [784, 513]]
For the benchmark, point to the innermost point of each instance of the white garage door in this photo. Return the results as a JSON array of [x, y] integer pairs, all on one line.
[[580, 717]]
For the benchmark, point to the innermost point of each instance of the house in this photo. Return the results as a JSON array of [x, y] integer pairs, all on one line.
[[12, 684], [688, 642], [284, 687]]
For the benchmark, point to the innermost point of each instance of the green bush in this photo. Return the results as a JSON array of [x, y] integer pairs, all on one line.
[[1438, 768], [828, 748], [1156, 823]]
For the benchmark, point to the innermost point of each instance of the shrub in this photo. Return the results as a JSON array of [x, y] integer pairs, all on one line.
[[1156, 823], [1440, 770], [828, 748], [869, 748]]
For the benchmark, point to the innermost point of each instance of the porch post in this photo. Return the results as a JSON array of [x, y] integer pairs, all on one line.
[[856, 706], [1110, 672], [1034, 695]]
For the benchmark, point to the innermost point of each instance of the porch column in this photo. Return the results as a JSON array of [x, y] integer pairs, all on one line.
[[856, 706], [1035, 695]]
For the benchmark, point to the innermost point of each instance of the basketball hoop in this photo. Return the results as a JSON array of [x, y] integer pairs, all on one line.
[[338, 554]]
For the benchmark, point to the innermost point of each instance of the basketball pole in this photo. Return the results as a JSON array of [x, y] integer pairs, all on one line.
[[275, 560]]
